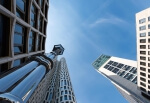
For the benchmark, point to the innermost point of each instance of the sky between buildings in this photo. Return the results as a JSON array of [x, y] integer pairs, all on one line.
[[88, 28]]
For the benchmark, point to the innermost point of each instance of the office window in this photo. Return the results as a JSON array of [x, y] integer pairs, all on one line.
[[121, 73], [69, 97], [40, 23], [19, 39], [33, 15], [32, 41], [115, 63], [143, 84], [60, 98], [130, 77], [142, 52], [4, 35], [142, 34], [110, 68], [6, 4], [115, 70], [143, 89], [142, 28], [133, 70], [126, 67], [148, 26], [142, 74], [43, 43], [149, 18], [142, 79], [46, 10], [142, 68], [45, 24], [106, 66], [143, 63], [20, 8], [38, 42], [65, 97], [110, 62], [41, 3], [142, 58], [120, 65], [142, 40], [142, 20], [142, 46], [18, 62], [66, 92]]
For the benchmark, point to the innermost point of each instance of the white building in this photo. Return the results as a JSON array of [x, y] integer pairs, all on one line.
[[123, 74], [143, 51]]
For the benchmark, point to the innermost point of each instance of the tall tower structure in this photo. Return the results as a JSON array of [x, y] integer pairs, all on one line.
[[60, 89], [23, 26], [143, 51], [123, 74]]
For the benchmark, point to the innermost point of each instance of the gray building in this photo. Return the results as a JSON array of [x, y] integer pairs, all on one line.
[[22, 31]]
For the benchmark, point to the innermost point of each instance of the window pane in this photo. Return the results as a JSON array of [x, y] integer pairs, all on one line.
[[18, 28], [21, 4], [18, 39], [17, 50], [142, 34], [16, 62]]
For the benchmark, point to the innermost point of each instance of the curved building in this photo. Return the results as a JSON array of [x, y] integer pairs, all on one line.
[[22, 31]]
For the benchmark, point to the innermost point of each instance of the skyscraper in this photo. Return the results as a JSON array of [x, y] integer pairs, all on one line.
[[143, 51], [131, 78], [123, 74], [56, 87], [22, 31]]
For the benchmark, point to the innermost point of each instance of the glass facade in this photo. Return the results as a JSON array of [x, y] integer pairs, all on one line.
[[125, 71], [100, 61]]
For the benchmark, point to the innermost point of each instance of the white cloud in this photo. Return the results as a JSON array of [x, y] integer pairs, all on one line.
[[109, 20]]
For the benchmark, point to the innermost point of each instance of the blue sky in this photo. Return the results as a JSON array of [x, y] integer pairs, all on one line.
[[88, 28]]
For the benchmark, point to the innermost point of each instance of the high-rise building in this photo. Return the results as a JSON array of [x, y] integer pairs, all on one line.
[[123, 74], [22, 31], [23, 26], [56, 87], [143, 51]]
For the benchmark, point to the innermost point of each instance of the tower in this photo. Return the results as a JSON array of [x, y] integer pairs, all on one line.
[[123, 74], [143, 51]]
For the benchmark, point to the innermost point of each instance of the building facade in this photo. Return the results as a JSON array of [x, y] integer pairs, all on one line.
[[143, 51], [23, 26], [123, 74]]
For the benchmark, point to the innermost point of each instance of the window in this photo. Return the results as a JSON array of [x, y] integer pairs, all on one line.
[[120, 65], [65, 97], [143, 74], [41, 4], [6, 4], [133, 70], [148, 26], [142, 68], [143, 63], [148, 33], [19, 39], [46, 10], [143, 84], [18, 62], [40, 23], [142, 20], [33, 16], [142, 46], [115, 70], [38, 43], [148, 64], [110, 62], [115, 63], [69, 97], [43, 43], [32, 41], [60, 98], [143, 89], [142, 40], [142, 34], [20, 8], [110, 68], [106, 66], [130, 77], [45, 24], [135, 80], [148, 46], [149, 18], [4, 35], [143, 79], [142, 52], [142, 58], [142, 28], [65, 91], [121, 73], [126, 67]]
